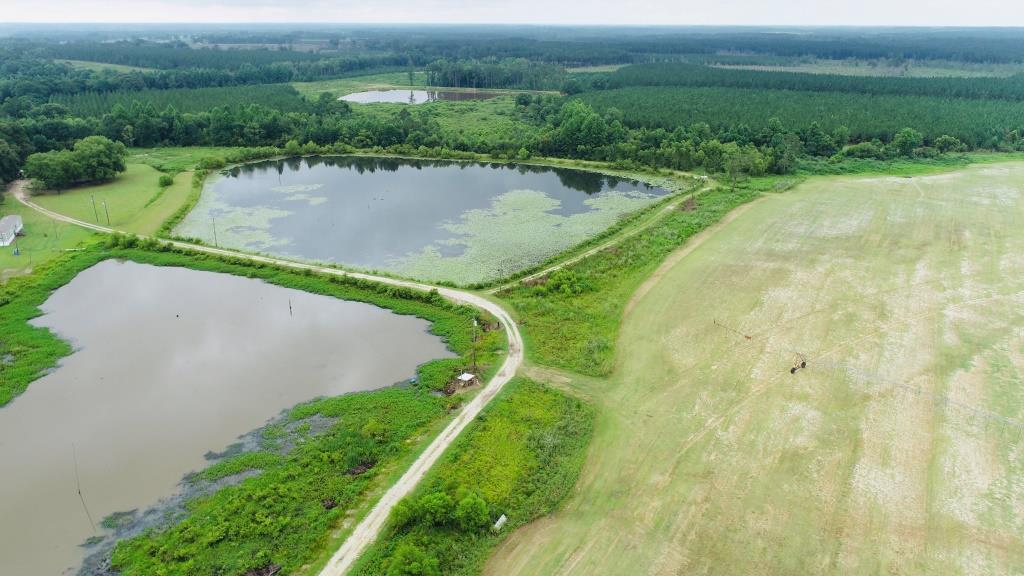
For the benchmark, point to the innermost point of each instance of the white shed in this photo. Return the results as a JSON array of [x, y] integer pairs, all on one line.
[[10, 226]]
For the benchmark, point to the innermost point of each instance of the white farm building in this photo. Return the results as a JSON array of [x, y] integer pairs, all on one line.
[[10, 226]]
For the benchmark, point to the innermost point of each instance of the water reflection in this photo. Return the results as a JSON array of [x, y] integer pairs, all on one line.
[[168, 364], [374, 212]]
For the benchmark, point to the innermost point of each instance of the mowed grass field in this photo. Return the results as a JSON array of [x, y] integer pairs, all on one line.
[[44, 239], [900, 448], [134, 200]]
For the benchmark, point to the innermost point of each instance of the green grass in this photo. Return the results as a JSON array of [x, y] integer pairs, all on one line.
[[34, 350], [278, 517], [574, 322], [134, 200], [521, 457], [174, 159], [709, 457], [43, 240], [342, 86]]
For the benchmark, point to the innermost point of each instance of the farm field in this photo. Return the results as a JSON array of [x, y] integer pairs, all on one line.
[[896, 451], [134, 199], [342, 86], [100, 66]]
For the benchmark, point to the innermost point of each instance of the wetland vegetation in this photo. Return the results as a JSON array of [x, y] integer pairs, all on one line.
[[630, 447]]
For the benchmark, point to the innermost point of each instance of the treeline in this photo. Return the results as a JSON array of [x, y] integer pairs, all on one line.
[[494, 73], [693, 75], [538, 125], [281, 97], [171, 55], [93, 159], [26, 78], [978, 123], [584, 45]]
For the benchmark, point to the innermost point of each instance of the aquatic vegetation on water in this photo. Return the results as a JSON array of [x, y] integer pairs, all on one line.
[[519, 230], [247, 227]]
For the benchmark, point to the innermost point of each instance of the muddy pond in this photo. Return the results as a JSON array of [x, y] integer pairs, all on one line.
[[462, 222], [415, 96], [171, 363]]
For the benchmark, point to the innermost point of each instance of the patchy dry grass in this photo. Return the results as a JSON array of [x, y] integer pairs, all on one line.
[[898, 450]]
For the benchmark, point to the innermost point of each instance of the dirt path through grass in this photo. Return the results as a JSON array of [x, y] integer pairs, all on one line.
[[898, 449], [366, 531]]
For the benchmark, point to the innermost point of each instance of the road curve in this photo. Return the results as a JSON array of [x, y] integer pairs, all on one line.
[[369, 528]]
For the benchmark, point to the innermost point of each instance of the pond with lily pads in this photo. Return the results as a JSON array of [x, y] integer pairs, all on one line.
[[462, 222]]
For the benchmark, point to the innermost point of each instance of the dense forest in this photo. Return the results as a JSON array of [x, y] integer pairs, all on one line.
[[979, 123], [672, 114], [692, 75]]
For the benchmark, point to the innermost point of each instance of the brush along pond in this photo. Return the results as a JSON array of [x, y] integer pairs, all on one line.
[[168, 364], [439, 221]]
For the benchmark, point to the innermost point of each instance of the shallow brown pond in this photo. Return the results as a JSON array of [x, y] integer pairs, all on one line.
[[170, 363]]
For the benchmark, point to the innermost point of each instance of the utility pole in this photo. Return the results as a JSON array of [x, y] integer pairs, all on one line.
[[214, 220], [94, 211], [474, 345], [107, 212]]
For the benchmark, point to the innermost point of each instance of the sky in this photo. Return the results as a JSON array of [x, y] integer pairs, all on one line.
[[669, 12]]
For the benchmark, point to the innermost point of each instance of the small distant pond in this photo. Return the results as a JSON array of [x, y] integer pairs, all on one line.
[[169, 364], [415, 96], [432, 220]]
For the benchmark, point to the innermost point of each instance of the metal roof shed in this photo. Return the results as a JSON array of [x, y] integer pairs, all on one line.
[[10, 226]]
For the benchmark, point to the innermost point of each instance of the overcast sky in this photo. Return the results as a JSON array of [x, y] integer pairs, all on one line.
[[755, 12]]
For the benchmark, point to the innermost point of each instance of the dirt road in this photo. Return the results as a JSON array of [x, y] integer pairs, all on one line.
[[368, 529]]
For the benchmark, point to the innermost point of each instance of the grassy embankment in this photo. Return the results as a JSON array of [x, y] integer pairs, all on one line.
[[279, 516], [520, 459], [895, 451], [571, 318], [134, 201], [43, 241]]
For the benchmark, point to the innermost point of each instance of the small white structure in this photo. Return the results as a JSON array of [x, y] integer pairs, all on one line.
[[10, 226], [467, 379], [500, 523]]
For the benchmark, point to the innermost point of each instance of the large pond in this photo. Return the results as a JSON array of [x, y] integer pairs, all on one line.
[[433, 220], [170, 363], [415, 96]]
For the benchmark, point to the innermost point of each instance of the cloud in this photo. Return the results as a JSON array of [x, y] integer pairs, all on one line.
[[749, 12]]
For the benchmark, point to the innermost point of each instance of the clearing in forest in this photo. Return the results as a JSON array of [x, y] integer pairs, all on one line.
[[898, 449]]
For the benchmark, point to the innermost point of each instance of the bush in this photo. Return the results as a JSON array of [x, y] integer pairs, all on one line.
[[410, 560], [472, 513], [165, 180]]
